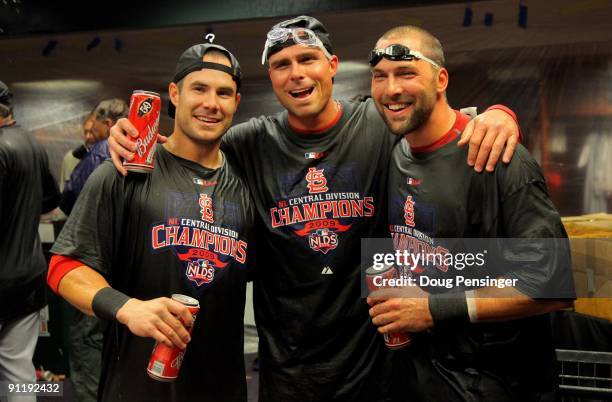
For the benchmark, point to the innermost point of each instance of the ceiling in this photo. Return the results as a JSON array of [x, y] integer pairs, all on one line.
[[147, 56], [27, 17]]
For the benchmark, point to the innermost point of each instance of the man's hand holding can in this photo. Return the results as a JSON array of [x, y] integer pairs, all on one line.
[[161, 319], [122, 145]]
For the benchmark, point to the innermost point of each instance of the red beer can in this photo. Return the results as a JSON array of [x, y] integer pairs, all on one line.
[[145, 108], [374, 277], [165, 361]]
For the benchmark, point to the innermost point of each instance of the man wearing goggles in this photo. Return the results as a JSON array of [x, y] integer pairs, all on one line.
[[317, 172], [475, 345], [285, 37]]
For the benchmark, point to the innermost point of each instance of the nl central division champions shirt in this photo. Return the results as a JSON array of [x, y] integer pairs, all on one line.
[[181, 229], [317, 196], [435, 195]]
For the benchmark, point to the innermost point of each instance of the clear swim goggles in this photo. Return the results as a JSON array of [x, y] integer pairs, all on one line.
[[300, 36], [397, 52]]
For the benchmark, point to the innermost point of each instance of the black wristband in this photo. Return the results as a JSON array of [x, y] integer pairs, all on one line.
[[107, 302], [449, 308]]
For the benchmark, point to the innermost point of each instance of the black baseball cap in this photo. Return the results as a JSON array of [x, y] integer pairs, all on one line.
[[303, 21], [191, 60]]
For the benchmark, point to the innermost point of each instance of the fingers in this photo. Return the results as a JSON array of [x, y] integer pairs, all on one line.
[[389, 322], [155, 319], [160, 337], [496, 150], [466, 134], [493, 131], [384, 319], [161, 138], [180, 311], [177, 326], [392, 327], [486, 145], [382, 307], [118, 140], [510, 148], [126, 127], [372, 301], [117, 162], [171, 333], [475, 142]]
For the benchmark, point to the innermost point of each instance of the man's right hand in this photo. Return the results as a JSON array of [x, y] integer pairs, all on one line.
[[157, 319], [120, 146]]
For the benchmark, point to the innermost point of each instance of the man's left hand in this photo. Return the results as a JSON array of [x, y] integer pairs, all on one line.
[[488, 134]]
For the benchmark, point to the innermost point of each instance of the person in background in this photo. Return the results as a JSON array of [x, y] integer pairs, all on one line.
[[74, 156], [102, 118], [27, 189]]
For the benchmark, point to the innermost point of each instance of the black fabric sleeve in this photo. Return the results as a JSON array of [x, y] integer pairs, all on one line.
[[540, 246], [92, 232]]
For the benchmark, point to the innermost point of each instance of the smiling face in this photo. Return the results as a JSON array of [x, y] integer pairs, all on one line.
[[302, 79], [405, 92], [205, 101]]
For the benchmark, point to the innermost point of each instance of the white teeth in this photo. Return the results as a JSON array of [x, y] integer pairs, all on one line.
[[300, 92], [397, 106], [207, 119]]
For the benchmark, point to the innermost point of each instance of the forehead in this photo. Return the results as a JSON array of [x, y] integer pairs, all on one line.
[[211, 78], [295, 51]]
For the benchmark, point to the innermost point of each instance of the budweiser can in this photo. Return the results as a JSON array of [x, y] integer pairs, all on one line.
[[374, 277], [144, 112], [165, 361]]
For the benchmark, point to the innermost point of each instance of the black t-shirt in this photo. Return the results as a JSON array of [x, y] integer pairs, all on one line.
[[436, 195], [316, 196], [27, 189], [181, 229]]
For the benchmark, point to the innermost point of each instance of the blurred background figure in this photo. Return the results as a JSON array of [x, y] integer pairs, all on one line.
[[596, 160], [96, 129], [74, 156], [27, 189]]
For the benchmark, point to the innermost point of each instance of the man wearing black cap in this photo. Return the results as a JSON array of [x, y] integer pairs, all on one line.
[[317, 173], [181, 229], [27, 189]]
